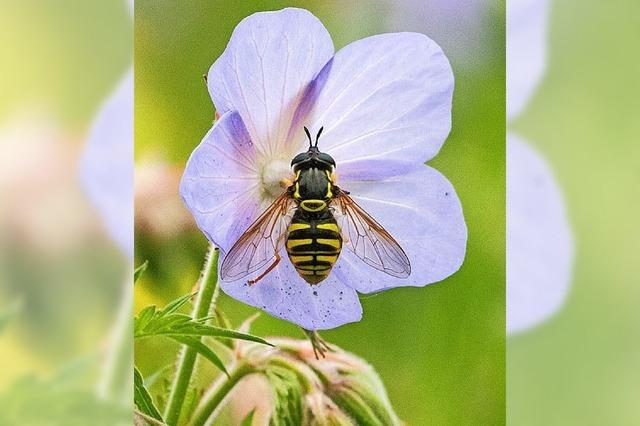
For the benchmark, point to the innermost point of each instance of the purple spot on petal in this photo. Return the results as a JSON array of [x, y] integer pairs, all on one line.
[[311, 93]]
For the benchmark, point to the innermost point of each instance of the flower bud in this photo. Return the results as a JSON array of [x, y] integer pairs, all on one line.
[[322, 411], [339, 389]]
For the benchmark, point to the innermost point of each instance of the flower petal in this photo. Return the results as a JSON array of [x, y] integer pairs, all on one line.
[[376, 169], [526, 51], [422, 212], [263, 72], [285, 295], [221, 184], [386, 97], [106, 167], [539, 241]]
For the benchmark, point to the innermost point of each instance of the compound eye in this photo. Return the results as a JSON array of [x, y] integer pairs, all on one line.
[[326, 158], [299, 158]]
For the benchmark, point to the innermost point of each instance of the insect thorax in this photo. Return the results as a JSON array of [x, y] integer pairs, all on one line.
[[312, 188], [313, 239]]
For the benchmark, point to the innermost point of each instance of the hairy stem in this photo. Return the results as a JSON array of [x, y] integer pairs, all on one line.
[[205, 303], [212, 399]]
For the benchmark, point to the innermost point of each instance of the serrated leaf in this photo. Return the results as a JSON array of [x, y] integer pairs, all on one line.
[[142, 398], [145, 316], [203, 350], [247, 421], [176, 304], [139, 271], [151, 322]]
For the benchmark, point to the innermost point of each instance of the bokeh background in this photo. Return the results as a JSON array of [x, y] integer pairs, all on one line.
[[438, 349], [581, 366], [61, 275]]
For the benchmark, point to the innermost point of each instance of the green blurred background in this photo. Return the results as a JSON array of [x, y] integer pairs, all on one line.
[[581, 367], [438, 349], [58, 64]]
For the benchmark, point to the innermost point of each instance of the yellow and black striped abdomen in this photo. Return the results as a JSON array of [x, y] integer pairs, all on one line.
[[313, 245]]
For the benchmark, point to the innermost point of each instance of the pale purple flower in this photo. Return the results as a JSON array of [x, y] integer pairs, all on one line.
[[539, 240], [106, 167], [526, 51], [385, 104]]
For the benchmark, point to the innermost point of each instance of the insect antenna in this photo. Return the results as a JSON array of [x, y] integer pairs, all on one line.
[[308, 136], [318, 135]]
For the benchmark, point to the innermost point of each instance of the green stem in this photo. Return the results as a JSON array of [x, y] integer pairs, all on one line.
[[216, 395], [205, 302]]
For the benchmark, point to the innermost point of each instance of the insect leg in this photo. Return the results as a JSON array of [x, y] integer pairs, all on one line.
[[269, 269], [273, 265], [318, 344]]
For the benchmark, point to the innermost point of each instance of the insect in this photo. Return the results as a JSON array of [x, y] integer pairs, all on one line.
[[313, 219]]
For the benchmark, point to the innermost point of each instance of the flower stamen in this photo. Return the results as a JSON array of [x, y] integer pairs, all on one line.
[[276, 175]]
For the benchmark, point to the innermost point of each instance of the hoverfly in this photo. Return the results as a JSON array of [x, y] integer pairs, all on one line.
[[313, 218]]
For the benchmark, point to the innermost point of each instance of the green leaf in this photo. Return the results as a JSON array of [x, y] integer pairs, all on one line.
[[247, 421], [142, 398], [176, 304], [139, 271], [184, 329], [151, 322], [203, 350]]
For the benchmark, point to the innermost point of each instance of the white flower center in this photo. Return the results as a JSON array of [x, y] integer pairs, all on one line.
[[274, 173]]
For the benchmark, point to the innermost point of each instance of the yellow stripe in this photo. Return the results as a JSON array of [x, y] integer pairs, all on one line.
[[303, 272], [298, 226], [307, 205], [298, 259], [296, 243], [329, 193], [330, 259], [299, 253], [325, 272], [330, 242], [329, 226], [313, 268], [296, 194]]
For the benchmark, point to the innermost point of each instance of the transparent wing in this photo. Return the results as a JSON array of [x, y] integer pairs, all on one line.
[[257, 247], [368, 239]]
